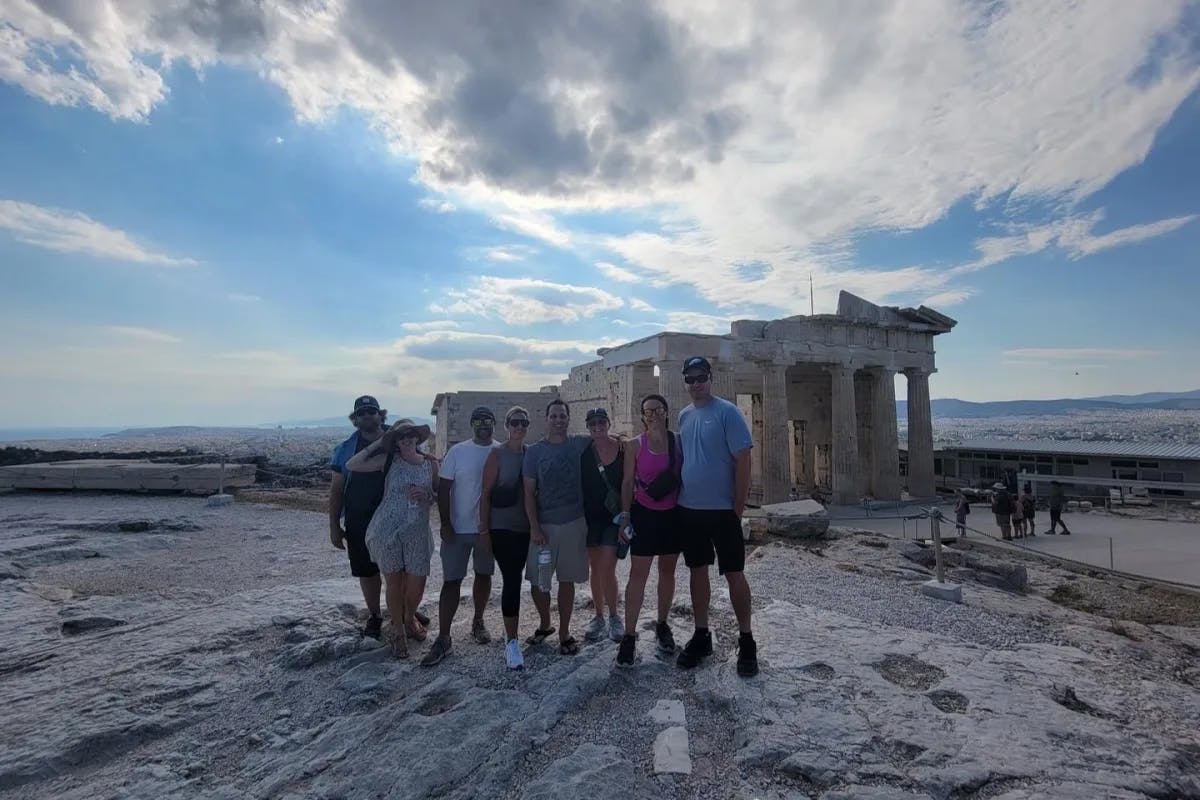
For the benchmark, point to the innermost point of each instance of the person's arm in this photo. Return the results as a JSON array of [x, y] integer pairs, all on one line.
[[337, 496], [628, 475], [741, 481], [373, 457], [444, 487], [535, 529], [491, 471]]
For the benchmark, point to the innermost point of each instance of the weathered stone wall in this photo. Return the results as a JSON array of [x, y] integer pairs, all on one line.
[[454, 414], [590, 385]]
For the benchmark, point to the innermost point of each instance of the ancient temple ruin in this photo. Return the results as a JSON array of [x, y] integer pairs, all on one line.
[[819, 392]]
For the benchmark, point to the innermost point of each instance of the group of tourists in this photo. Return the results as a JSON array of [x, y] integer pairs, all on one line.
[[567, 507], [1016, 513]]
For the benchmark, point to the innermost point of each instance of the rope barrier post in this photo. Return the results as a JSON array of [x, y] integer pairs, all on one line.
[[935, 533], [939, 588], [1110, 553]]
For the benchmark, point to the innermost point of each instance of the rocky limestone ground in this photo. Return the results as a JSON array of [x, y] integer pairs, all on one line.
[[156, 647]]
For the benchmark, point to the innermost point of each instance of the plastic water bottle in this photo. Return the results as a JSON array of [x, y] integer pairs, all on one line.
[[545, 569], [623, 546]]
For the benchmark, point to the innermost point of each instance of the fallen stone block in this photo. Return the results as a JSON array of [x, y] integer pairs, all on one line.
[[950, 592], [798, 519], [671, 752]]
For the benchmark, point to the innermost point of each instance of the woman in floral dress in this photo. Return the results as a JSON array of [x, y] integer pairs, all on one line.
[[399, 537]]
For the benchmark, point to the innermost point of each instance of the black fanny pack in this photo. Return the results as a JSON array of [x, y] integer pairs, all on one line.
[[667, 481], [505, 496]]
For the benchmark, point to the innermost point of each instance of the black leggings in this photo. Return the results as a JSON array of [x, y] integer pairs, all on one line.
[[511, 549]]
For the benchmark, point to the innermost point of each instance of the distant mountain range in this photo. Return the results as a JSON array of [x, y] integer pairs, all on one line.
[[965, 409]]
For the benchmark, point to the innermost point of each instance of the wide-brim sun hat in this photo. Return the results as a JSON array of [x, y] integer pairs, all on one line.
[[423, 431]]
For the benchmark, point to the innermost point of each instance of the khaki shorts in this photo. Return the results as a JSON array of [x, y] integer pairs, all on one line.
[[456, 552], [568, 552]]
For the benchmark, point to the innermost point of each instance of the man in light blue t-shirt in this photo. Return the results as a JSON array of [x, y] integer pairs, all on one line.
[[716, 478]]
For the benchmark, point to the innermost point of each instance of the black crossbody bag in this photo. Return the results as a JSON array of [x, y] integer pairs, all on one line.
[[666, 481]]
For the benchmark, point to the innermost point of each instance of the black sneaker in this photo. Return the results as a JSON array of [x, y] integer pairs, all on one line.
[[697, 648], [626, 650], [374, 627], [747, 663], [440, 649], [666, 639]]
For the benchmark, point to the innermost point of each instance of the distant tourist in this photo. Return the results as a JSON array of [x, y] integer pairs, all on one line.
[[1002, 507], [502, 515], [398, 536], [460, 487], [602, 473], [649, 499], [355, 501], [1018, 518], [716, 478], [1057, 501], [962, 508], [1029, 509], [554, 504]]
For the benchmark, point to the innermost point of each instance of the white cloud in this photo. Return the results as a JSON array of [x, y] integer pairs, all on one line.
[[951, 297], [143, 334], [615, 273], [525, 301], [430, 325], [238, 297], [72, 232], [752, 133], [436, 205], [507, 254], [693, 322], [1071, 353], [638, 304], [278, 140]]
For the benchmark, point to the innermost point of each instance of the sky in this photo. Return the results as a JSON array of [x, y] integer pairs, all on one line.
[[248, 211]]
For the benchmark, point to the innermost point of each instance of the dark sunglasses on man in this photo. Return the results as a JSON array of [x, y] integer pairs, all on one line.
[[701, 378], [366, 412], [483, 422]]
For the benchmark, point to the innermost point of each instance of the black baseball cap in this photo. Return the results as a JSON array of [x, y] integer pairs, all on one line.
[[697, 362], [482, 412], [366, 401], [596, 413]]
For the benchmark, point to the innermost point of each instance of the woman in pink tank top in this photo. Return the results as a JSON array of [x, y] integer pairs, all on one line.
[[649, 492]]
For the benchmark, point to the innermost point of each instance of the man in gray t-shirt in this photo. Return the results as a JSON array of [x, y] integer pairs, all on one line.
[[554, 504]]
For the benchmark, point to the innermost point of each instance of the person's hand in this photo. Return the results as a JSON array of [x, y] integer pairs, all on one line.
[[537, 537], [337, 535], [418, 494], [447, 532], [623, 534]]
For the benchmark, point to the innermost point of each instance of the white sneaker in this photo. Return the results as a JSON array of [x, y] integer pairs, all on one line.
[[512, 655], [594, 630], [616, 628]]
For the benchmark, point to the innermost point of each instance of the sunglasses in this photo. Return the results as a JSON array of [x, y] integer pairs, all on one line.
[[487, 422], [366, 412], [701, 378], [597, 423], [517, 423], [654, 411]]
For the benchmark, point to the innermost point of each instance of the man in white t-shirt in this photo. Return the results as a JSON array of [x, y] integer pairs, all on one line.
[[460, 485]]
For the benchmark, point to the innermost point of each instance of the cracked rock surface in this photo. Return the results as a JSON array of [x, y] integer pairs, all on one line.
[[157, 648]]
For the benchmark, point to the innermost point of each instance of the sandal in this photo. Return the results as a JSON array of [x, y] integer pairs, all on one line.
[[568, 646], [539, 635], [418, 634]]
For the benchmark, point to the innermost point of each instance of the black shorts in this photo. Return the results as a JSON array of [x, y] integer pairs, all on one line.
[[361, 565], [656, 533], [709, 535]]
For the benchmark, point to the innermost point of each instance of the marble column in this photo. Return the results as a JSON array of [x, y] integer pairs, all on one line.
[[920, 434], [844, 452], [724, 381], [885, 448], [776, 440], [672, 387]]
